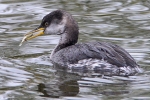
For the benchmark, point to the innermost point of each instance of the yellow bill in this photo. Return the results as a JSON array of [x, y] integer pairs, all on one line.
[[33, 34]]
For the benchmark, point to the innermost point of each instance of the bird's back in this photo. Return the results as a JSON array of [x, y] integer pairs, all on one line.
[[100, 57], [113, 54]]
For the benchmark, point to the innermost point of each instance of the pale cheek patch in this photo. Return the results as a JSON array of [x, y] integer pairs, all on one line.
[[55, 29]]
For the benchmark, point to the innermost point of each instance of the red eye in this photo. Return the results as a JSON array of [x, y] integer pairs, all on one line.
[[46, 24]]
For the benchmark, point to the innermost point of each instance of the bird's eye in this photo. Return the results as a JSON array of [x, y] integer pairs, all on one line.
[[46, 24]]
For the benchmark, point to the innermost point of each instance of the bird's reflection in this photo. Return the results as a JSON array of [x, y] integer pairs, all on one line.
[[68, 88], [65, 84]]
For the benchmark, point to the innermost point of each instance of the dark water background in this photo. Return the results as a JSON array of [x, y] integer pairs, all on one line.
[[27, 74]]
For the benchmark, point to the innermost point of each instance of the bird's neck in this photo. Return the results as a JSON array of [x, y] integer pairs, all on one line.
[[68, 38]]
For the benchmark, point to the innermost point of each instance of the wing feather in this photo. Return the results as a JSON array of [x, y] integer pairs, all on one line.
[[111, 53]]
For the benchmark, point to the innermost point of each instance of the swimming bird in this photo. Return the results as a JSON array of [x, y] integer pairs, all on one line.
[[95, 56]]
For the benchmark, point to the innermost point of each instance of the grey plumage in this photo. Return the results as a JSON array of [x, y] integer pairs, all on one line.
[[113, 54], [69, 52]]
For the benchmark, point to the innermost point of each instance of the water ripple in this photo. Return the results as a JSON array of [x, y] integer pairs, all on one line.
[[140, 17], [5, 9], [134, 8], [125, 23], [12, 76]]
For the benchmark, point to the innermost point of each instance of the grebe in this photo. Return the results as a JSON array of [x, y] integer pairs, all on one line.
[[97, 56]]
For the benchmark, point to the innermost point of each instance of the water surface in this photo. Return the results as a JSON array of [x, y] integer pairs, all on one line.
[[26, 72]]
